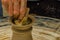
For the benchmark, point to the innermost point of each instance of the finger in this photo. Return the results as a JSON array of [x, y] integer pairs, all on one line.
[[23, 8], [10, 8], [16, 7], [5, 4]]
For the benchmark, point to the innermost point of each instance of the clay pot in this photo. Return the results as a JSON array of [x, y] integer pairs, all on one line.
[[23, 32]]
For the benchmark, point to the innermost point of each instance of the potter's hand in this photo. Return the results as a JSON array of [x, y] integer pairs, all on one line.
[[15, 7]]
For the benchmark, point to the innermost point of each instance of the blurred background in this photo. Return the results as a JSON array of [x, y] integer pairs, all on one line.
[[1, 12], [49, 8]]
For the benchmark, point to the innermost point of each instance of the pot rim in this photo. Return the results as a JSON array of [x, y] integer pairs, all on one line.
[[23, 27]]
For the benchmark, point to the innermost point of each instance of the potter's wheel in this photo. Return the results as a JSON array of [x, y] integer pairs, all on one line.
[[5, 33], [5, 30], [44, 29]]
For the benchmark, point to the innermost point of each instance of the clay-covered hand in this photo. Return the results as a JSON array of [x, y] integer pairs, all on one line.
[[15, 7]]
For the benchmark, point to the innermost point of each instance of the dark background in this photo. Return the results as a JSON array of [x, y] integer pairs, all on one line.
[[1, 9], [49, 8]]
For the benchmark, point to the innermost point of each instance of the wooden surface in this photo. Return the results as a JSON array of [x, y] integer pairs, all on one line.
[[44, 28]]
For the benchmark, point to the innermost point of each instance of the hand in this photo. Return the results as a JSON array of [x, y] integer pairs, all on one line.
[[15, 7]]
